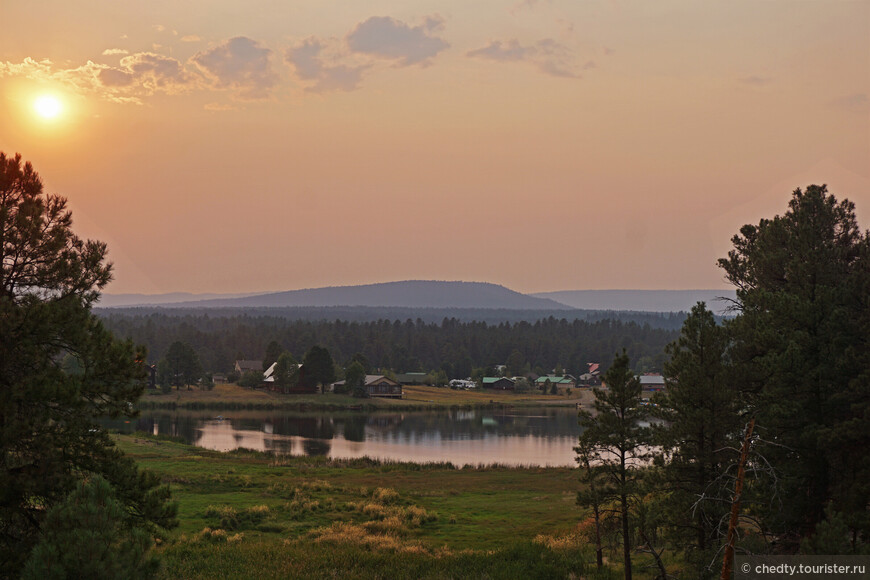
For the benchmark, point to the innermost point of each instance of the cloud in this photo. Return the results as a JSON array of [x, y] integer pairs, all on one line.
[[138, 75], [856, 103], [190, 38], [79, 79], [149, 73], [548, 55], [308, 61], [240, 64], [505, 51], [113, 51], [384, 37]]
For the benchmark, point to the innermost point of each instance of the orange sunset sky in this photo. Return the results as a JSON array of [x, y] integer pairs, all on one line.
[[265, 145]]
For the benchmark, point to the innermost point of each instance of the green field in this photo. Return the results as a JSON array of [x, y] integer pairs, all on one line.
[[252, 515], [230, 396]]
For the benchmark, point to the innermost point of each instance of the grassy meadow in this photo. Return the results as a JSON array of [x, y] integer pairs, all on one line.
[[418, 397], [252, 515]]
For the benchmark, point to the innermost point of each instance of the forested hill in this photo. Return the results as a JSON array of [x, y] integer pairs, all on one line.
[[492, 316], [406, 294], [404, 346]]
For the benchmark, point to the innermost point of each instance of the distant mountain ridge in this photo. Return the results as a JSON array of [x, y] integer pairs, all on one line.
[[411, 294], [405, 294], [642, 300]]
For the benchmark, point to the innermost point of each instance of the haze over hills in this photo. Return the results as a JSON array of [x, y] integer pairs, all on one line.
[[642, 300], [412, 294], [406, 294], [124, 300]]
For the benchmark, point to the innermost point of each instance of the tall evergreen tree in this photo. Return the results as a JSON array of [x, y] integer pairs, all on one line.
[[180, 366], [615, 444], [273, 351], [803, 285], [286, 373], [49, 435], [699, 434], [318, 367]]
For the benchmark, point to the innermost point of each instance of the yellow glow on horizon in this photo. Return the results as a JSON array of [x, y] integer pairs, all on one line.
[[48, 107]]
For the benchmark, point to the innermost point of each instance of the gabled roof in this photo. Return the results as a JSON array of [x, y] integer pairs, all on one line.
[[372, 379], [253, 365], [490, 380], [267, 375], [554, 379], [652, 380]]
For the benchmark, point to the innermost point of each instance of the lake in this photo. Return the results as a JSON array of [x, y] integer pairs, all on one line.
[[526, 436]]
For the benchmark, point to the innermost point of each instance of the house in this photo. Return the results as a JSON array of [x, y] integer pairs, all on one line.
[[592, 377], [300, 388], [564, 382], [498, 383], [379, 386], [246, 366], [652, 382]]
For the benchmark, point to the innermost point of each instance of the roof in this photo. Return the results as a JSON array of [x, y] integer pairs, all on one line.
[[250, 364], [267, 375], [652, 380], [371, 379], [490, 380], [554, 379]]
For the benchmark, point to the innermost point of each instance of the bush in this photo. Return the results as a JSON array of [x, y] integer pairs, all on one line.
[[89, 535]]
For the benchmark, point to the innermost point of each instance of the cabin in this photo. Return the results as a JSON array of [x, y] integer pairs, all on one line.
[[651, 383], [563, 382], [379, 386], [246, 366], [300, 388], [498, 383]]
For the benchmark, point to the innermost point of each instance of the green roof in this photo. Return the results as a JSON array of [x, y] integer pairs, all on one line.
[[553, 379], [487, 380]]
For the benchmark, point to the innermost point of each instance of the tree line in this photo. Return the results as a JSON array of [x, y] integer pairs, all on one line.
[[763, 432], [453, 346]]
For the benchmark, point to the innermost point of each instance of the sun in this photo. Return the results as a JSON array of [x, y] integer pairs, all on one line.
[[47, 106]]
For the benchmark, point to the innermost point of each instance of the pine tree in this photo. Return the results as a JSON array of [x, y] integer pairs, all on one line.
[[89, 535], [49, 435], [697, 439], [803, 291], [617, 444]]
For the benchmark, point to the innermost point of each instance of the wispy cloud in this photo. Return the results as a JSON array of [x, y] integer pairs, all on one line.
[[190, 38], [308, 61], [856, 103], [548, 55], [148, 73], [384, 37], [114, 51], [240, 64], [505, 51], [756, 81]]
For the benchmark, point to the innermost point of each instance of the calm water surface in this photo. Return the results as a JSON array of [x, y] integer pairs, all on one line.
[[528, 436]]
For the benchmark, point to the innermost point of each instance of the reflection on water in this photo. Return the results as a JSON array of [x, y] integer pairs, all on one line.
[[513, 437]]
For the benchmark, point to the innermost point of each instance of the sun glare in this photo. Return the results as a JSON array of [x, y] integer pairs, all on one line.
[[47, 107]]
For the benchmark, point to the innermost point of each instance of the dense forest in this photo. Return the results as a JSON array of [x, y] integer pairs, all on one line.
[[403, 346]]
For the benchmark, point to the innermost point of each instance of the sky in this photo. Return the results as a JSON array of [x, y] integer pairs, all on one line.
[[268, 145]]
